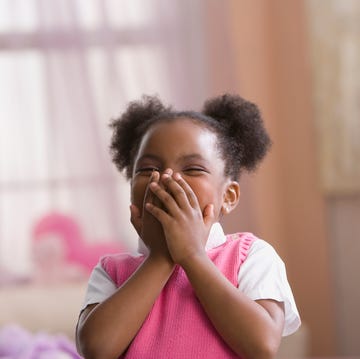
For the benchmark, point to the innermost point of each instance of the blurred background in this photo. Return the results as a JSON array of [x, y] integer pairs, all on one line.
[[69, 66]]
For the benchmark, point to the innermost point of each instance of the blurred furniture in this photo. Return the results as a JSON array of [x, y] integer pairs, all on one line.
[[47, 308]]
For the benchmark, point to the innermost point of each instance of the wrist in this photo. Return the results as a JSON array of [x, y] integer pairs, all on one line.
[[160, 260], [192, 258]]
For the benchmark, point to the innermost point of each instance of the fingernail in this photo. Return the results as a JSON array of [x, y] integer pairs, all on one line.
[[153, 175]]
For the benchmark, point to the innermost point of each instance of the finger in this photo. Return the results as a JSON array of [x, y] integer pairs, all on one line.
[[149, 197], [166, 200], [169, 172], [158, 213], [191, 197], [155, 179], [155, 176], [209, 215]]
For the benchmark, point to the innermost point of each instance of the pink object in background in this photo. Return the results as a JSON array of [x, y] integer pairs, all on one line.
[[59, 248], [18, 343]]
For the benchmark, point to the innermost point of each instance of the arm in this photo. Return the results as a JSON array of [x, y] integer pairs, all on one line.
[[105, 330], [252, 329]]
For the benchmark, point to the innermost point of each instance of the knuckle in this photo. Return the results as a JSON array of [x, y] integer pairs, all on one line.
[[179, 192]]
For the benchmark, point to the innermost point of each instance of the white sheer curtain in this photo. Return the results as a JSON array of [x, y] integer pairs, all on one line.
[[66, 68]]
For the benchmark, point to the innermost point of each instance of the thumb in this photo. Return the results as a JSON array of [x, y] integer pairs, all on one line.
[[208, 214]]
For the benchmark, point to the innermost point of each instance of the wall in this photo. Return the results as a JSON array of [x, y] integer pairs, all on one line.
[[344, 233], [270, 63], [334, 29]]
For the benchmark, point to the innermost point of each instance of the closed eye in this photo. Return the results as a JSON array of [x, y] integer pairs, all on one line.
[[146, 171], [194, 171]]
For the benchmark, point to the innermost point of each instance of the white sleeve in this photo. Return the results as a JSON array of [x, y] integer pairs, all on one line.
[[263, 276], [100, 287]]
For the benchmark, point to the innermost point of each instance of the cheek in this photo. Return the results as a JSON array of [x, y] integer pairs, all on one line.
[[208, 193], [138, 189]]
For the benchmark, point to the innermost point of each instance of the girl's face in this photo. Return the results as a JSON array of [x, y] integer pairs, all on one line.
[[190, 149]]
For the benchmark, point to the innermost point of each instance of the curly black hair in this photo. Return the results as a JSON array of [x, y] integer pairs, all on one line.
[[242, 138]]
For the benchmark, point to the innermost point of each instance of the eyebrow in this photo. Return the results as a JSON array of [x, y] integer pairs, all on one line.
[[189, 157]]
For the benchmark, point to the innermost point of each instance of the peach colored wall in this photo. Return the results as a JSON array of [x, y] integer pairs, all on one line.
[[344, 233], [335, 50], [270, 66]]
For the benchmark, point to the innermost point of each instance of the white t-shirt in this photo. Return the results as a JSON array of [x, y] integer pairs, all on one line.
[[261, 276]]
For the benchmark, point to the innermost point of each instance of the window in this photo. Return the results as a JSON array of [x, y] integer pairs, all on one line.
[[66, 69]]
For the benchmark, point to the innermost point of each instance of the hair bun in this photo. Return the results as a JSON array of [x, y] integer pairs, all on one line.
[[128, 129], [223, 106], [242, 123]]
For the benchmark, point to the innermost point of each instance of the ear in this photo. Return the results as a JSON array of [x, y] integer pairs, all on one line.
[[231, 197]]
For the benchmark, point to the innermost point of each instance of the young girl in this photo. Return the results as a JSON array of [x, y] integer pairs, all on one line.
[[194, 292]]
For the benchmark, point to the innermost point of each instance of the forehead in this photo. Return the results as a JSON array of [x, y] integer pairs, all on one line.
[[179, 135], [180, 131]]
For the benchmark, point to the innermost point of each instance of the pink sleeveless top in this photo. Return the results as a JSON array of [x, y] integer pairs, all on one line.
[[177, 326]]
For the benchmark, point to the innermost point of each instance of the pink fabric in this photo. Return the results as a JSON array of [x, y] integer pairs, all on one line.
[[177, 326], [18, 343], [77, 249]]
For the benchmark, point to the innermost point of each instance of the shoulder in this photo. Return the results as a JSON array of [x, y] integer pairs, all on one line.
[[263, 276], [264, 252], [254, 247], [103, 279], [262, 266], [115, 259], [120, 264]]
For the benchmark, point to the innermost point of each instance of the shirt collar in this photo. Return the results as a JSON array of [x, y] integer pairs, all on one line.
[[215, 239], [216, 236]]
